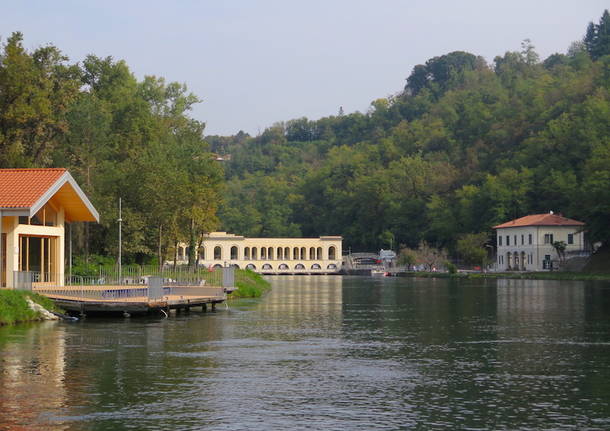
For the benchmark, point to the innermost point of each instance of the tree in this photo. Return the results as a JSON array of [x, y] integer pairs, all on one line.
[[471, 248], [407, 257], [432, 258], [597, 37], [560, 248], [36, 90]]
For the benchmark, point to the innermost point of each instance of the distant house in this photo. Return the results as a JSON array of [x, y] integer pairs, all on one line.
[[526, 243], [35, 205]]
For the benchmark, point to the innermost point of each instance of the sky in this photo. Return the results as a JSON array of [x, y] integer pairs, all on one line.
[[258, 62]]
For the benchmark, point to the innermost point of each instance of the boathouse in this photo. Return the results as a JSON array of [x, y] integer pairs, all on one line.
[[35, 205], [526, 243]]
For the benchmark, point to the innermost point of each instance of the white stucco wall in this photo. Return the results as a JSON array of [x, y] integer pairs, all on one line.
[[518, 242]]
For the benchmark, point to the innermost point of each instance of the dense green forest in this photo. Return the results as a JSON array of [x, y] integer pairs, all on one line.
[[119, 138], [464, 146]]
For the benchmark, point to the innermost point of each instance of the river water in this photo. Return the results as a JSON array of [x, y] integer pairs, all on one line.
[[326, 353]]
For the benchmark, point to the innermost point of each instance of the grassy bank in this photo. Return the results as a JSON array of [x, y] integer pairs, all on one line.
[[513, 275], [15, 309], [249, 284]]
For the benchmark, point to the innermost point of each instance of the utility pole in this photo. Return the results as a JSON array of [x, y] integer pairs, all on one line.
[[120, 220]]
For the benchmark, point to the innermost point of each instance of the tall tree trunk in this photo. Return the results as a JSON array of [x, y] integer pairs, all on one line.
[[192, 244], [159, 251], [175, 252]]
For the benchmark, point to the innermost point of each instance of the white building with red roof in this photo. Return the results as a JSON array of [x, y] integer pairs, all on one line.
[[35, 205], [526, 243]]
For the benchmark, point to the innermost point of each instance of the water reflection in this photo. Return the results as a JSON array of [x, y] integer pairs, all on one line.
[[32, 374], [326, 353]]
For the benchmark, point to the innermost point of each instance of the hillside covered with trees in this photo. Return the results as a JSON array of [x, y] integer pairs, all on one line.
[[464, 146]]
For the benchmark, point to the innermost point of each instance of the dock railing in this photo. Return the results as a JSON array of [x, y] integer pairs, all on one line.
[[134, 284]]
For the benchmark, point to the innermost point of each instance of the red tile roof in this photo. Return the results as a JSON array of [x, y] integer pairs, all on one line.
[[547, 219], [21, 188]]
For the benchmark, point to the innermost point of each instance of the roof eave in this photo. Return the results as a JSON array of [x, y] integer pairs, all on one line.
[[65, 178]]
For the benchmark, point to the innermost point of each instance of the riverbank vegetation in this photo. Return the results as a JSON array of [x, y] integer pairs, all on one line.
[[249, 284], [512, 275], [464, 146], [15, 309]]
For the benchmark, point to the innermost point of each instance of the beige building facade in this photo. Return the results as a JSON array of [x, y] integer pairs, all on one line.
[[526, 244], [322, 255], [35, 205]]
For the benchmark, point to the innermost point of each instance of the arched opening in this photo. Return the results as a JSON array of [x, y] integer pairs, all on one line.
[[516, 261], [523, 261], [180, 253], [251, 266], [319, 253], [332, 251], [201, 253], [303, 253], [312, 253], [316, 266], [283, 266], [234, 253], [218, 265], [295, 253], [247, 253], [270, 253], [331, 266], [286, 252], [217, 253], [267, 266], [508, 262], [299, 266], [234, 265], [254, 253], [280, 253], [263, 252]]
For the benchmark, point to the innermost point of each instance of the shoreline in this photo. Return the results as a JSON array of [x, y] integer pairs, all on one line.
[[15, 309], [577, 276]]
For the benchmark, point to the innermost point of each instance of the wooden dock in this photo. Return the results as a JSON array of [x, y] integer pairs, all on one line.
[[131, 299]]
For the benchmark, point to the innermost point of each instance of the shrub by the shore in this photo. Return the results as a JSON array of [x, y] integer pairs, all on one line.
[[15, 309], [249, 284]]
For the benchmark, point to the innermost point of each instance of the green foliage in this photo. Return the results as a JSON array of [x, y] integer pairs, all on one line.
[[14, 308], [89, 267], [471, 249], [451, 268], [119, 138], [597, 38], [466, 146], [249, 284]]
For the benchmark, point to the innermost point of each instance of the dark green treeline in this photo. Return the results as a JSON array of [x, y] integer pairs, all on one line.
[[464, 146]]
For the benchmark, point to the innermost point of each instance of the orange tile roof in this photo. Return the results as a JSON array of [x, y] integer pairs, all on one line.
[[547, 219], [21, 188]]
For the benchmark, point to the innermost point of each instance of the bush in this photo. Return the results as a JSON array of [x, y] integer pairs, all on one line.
[[14, 308], [451, 268], [249, 284]]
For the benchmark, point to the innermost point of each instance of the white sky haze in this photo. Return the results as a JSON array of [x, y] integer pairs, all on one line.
[[258, 62]]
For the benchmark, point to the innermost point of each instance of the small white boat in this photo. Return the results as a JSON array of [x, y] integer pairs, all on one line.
[[378, 273]]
